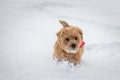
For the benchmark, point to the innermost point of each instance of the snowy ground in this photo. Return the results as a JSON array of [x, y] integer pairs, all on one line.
[[27, 36]]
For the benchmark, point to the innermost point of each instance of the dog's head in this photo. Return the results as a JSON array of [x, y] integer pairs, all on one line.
[[69, 38]]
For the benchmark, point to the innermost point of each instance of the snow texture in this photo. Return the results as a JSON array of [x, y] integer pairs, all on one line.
[[28, 32]]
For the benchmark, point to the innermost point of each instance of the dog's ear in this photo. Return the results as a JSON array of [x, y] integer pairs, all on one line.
[[81, 33], [59, 34], [64, 23]]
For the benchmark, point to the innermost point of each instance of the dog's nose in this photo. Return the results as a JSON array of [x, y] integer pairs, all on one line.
[[73, 46]]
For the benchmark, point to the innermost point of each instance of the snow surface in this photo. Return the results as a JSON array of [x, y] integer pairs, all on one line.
[[28, 32]]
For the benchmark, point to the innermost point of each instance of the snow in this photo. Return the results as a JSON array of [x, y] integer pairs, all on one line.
[[28, 32]]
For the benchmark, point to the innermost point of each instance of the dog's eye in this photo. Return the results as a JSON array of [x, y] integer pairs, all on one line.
[[67, 39], [76, 38]]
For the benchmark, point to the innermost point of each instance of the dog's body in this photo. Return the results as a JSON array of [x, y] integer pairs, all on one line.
[[67, 46]]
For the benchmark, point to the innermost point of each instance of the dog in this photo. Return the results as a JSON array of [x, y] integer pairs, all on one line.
[[69, 44]]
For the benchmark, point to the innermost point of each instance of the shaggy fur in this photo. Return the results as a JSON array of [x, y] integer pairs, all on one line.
[[63, 49]]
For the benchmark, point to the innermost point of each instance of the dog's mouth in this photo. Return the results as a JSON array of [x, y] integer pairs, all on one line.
[[71, 51]]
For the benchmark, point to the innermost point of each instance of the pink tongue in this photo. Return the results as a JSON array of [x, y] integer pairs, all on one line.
[[82, 44]]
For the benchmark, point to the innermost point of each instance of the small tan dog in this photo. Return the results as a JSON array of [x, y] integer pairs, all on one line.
[[69, 45]]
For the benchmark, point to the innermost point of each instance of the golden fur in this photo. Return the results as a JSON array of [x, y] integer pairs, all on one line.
[[67, 36]]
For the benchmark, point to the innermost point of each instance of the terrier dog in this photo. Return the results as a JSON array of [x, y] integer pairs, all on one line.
[[69, 44]]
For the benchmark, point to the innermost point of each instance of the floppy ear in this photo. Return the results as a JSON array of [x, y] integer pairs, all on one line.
[[81, 33], [64, 24], [81, 36], [58, 34]]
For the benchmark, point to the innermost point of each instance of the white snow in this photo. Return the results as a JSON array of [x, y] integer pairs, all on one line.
[[28, 32]]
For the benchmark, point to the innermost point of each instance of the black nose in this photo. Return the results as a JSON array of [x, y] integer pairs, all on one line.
[[73, 46]]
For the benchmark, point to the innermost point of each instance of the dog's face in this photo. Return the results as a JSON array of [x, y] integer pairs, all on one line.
[[69, 38]]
